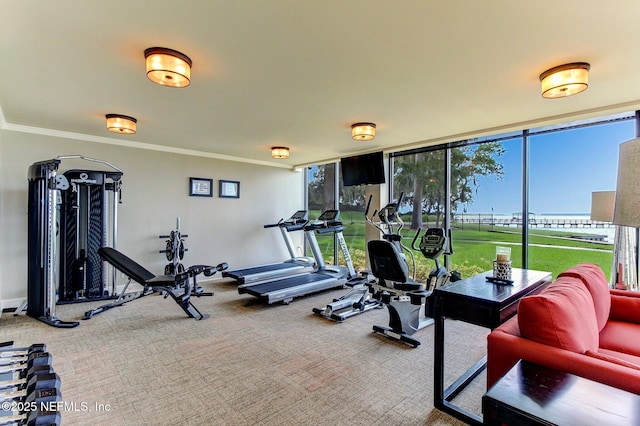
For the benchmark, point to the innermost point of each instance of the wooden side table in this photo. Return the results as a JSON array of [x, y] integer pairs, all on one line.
[[476, 301], [531, 394]]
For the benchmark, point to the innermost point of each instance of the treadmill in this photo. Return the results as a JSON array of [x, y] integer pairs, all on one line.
[[324, 277], [294, 265]]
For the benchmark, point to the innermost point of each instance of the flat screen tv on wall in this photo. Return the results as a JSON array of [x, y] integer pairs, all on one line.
[[366, 169]]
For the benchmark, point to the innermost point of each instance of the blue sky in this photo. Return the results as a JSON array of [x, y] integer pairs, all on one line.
[[565, 167]]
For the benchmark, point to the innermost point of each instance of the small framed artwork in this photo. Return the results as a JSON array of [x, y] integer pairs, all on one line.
[[199, 187], [229, 189]]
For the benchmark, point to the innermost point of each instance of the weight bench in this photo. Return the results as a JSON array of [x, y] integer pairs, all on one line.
[[177, 286]]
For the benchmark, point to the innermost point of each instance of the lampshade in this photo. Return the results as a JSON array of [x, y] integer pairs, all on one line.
[[118, 123], [565, 80], [168, 67], [602, 205], [363, 131], [280, 152], [627, 205]]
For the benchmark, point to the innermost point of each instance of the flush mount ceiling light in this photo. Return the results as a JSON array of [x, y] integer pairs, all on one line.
[[363, 131], [565, 80], [280, 152], [168, 67], [118, 123]]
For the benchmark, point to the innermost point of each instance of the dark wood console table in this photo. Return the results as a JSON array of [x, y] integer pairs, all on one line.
[[531, 394], [476, 301]]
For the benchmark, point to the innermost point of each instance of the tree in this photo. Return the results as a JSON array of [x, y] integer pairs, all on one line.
[[316, 187], [420, 176], [329, 197], [321, 190]]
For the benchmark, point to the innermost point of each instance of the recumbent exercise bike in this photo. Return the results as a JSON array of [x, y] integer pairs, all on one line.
[[408, 302]]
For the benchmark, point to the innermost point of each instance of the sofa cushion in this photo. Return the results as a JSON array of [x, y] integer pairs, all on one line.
[[594, 279], [625, 306], [621, 336], [619, 358], [562, 315]]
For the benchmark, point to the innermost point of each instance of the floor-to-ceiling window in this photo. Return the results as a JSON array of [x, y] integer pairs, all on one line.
[[528, 191], [352, 203], [321, 196], [326, 191], [565, 168], [419, 178], [486, 203]]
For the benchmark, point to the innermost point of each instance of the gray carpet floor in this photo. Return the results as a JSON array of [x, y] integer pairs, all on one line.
[[248, 364]]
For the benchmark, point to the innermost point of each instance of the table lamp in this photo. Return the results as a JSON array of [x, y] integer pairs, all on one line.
[[602, 203], [626, 214]]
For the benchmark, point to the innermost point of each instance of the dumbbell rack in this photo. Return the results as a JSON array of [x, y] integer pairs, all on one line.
[[174, 250], [29, 388]]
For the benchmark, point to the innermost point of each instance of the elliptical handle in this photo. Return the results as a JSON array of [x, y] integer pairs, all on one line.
[[366, 211], [400, 199], [415, 238]]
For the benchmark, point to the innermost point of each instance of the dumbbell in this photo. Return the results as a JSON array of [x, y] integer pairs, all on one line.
[[25, 373], [33, 418], [34, 358], [37, 396], [16, 402], [39, 378], [10, 351]]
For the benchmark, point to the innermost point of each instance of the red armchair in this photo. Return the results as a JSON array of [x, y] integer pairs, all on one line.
[[578, 325]]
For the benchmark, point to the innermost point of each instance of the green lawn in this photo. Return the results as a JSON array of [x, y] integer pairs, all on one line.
[[474, 250]]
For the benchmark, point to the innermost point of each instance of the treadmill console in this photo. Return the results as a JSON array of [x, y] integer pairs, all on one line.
[[329, 215], [327, 222], [298, 217]]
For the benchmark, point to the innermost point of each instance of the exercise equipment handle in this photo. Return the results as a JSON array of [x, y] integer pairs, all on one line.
[[415, 238], [199, 269], [82, 157], [211, 270], [273, 225], [366, 211]]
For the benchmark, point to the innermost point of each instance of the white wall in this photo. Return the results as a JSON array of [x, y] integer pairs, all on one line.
[[155, 192]]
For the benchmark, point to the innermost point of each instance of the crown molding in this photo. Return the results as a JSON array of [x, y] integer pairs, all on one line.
[[131, 144]]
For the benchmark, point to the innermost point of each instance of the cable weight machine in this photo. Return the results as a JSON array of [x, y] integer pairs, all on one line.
[[88, 221], [70, 216]]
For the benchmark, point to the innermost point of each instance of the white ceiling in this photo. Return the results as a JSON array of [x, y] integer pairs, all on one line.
[[299, 72]]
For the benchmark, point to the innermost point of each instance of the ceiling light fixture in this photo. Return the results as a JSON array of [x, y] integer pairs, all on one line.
[[363, 131], [280, 152], [118, 123], [168, 67], [565, 80]]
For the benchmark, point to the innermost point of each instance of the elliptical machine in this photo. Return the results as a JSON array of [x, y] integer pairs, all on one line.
[[408, 302], [356, 301], [434, 243]]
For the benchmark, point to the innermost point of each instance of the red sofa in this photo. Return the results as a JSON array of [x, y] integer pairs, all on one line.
[[578, 325]]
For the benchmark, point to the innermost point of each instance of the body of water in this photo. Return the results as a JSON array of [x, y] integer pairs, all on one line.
[[571, 223]]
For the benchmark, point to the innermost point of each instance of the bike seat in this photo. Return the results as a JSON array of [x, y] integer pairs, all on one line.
[[410, 286]]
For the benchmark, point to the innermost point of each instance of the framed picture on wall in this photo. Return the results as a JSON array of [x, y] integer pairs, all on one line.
[[200, 187], [229, 189]]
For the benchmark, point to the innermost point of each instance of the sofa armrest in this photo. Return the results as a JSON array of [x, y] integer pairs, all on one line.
[[625, 306], [504, 350]]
